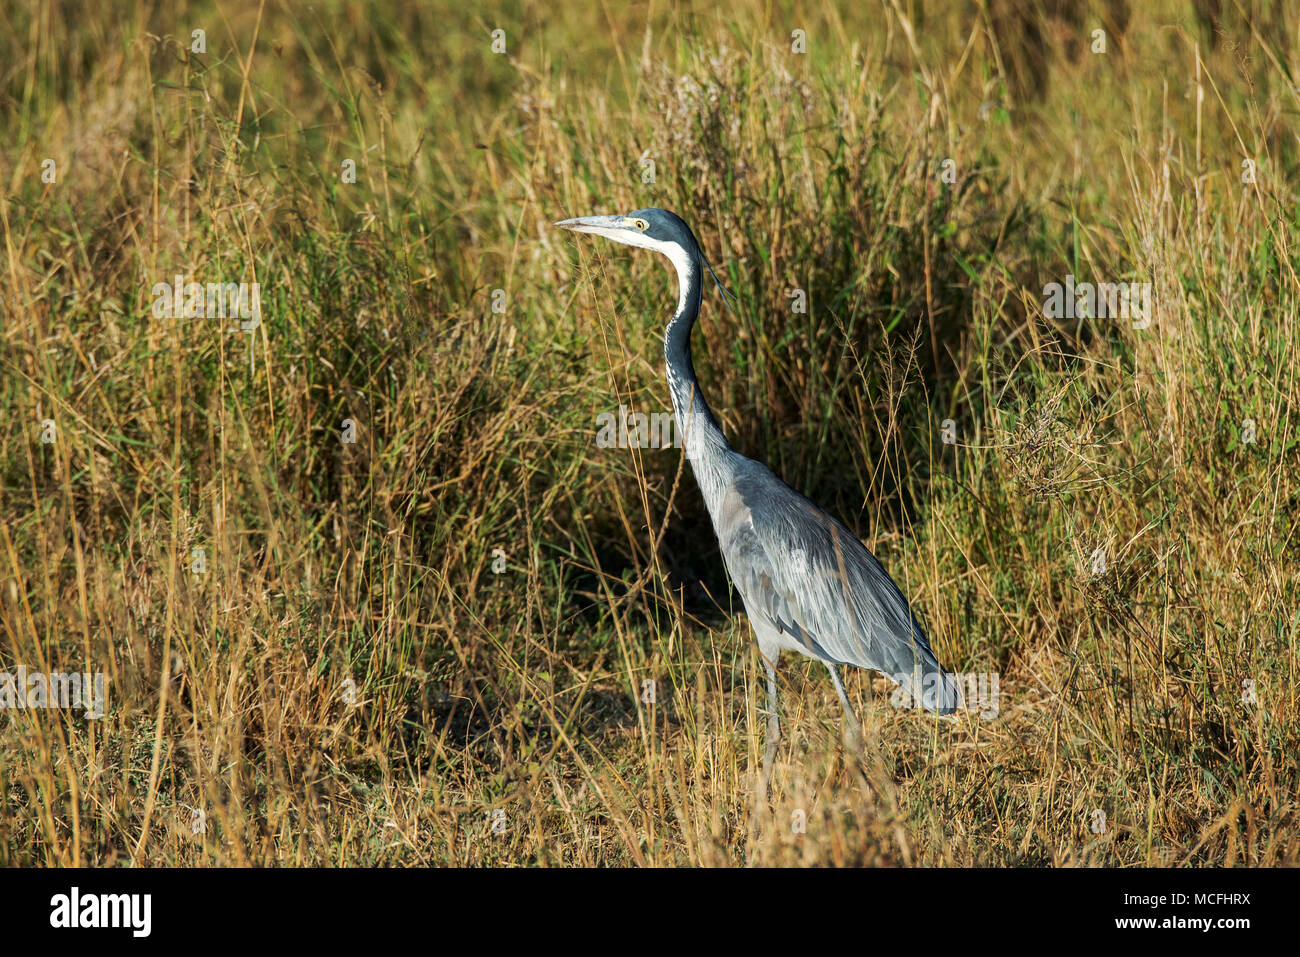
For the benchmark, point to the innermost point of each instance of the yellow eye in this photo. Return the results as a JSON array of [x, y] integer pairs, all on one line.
[[641, 224]]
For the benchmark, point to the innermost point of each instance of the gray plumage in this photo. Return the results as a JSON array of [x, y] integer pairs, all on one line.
[[806, 576], [807, 583]]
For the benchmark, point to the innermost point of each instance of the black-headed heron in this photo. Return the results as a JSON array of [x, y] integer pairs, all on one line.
[[807, 583]]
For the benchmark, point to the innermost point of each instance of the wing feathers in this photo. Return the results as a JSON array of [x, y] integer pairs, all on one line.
[[809, 576]]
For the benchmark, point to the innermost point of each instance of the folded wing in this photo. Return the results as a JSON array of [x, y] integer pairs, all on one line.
[[808, 576]]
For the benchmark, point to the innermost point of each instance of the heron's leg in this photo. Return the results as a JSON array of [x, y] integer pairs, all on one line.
[[851, 725], [773, 720]]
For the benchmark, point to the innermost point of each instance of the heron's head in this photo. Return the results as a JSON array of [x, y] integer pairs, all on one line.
[[656, 229]]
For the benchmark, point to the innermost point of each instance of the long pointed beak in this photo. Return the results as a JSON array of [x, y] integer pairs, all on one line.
[[593, 224]]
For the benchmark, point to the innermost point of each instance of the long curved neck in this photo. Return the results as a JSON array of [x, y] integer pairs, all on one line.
[[706, 446]]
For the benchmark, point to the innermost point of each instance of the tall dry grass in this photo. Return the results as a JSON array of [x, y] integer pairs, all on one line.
[[349, 681]]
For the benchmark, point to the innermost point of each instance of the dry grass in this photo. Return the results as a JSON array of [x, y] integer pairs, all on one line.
[[350, 682]]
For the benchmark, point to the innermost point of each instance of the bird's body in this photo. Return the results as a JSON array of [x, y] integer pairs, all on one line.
[[807, 583]]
